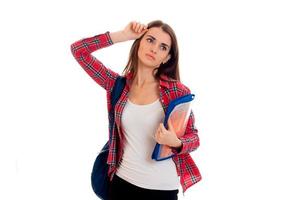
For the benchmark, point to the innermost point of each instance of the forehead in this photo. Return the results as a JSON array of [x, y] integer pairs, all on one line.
[[159, 35]]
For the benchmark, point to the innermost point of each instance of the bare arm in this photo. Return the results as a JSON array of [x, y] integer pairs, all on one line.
[[132, 31]]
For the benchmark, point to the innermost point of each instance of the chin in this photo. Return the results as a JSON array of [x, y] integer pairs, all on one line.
[[148, 63]]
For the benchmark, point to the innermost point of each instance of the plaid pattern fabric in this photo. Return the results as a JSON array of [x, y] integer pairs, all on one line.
[[169, 89]]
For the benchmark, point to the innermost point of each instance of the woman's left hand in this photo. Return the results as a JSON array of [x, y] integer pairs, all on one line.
[[167, 137]]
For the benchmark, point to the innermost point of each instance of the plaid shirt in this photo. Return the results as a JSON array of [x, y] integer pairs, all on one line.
[[169, 89]]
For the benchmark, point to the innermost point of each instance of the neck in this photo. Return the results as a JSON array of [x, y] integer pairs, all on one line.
[[144, 77]]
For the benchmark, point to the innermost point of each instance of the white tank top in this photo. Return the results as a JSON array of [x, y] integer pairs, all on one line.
[[139, 124]]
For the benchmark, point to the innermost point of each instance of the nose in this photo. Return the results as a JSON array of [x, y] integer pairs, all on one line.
[[154, 49]]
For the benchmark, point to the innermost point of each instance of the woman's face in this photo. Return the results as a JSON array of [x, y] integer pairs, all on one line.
[[154, 47]]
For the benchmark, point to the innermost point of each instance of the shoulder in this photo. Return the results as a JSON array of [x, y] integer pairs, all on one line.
[[181, 88], [176, 86]]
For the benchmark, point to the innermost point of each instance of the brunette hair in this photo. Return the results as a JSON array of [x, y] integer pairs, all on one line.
[[170, 68]]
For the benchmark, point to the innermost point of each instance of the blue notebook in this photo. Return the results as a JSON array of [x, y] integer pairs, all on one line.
[[177, 114]]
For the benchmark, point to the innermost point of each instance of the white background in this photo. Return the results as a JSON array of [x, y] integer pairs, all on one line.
[[240, 58]]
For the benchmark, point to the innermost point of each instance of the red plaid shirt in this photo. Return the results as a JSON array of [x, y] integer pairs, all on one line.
[[169, 89]]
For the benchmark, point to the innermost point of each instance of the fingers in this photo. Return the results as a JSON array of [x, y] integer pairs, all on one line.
[[138, 27], [142, 27], [159, 136], [162, 135], [170, 126], [161, 127]]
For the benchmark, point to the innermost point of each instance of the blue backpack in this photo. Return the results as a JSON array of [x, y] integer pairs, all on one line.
[[99, 178]]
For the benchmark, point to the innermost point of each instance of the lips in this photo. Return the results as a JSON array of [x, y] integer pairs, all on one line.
[[150, 56]]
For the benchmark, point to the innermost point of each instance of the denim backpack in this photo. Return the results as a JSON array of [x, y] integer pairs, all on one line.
[[99, 178]]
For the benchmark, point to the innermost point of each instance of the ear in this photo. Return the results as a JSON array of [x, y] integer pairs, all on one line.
[[166, 59]]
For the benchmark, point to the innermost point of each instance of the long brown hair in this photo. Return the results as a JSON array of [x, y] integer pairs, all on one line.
[[170, 68]]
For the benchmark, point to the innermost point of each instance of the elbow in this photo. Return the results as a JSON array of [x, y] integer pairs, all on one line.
[[197, 142], [73, 49]]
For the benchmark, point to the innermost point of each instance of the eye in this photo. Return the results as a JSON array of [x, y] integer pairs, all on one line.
[[163, 48], [149, 40]]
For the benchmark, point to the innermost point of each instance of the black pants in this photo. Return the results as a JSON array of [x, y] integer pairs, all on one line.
[[121, 189]]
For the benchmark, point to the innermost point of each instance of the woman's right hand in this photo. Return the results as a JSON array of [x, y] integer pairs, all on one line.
[[134, 30]]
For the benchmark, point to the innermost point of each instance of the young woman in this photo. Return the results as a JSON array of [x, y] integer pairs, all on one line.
[[152, 81]]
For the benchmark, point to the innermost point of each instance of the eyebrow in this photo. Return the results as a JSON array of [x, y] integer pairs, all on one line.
[[161, 43]]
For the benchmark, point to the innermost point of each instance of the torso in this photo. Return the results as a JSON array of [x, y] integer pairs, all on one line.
[[145, 95]]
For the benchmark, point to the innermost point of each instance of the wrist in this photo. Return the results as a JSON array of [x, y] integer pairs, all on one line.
[[118, 36], [178, 143], [177, 148]]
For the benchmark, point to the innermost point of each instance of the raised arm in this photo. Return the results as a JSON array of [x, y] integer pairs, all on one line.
[[82, 51]]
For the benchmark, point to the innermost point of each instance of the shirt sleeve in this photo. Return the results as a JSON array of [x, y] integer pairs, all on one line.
[[190, 140], [82, 51]]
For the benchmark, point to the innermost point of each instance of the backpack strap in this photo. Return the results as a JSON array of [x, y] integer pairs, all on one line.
[[115, 96]]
